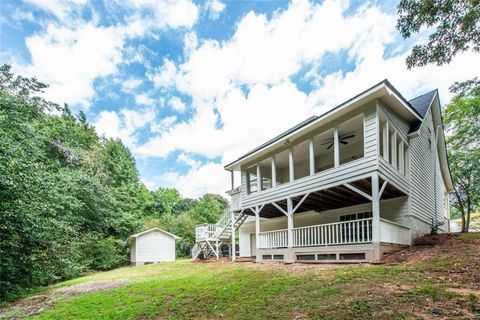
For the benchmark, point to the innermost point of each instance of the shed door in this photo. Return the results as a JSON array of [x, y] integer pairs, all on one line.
[[253, 245]]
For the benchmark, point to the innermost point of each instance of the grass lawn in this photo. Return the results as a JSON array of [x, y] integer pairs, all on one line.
[[438, 287]]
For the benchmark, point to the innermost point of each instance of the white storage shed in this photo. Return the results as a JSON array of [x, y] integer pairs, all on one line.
[[152, 246]]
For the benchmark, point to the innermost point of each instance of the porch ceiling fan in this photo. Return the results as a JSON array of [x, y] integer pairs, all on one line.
[[341, 139]]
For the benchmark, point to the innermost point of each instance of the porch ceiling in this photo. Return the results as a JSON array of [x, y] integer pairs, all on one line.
[[331, 198]]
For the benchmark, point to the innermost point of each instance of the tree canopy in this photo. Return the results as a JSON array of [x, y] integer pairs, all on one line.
[[462, 121], [69, 199], [456, 25]]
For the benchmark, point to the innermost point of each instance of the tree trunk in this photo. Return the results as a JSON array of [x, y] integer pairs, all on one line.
[[462, 210], [467, 223]]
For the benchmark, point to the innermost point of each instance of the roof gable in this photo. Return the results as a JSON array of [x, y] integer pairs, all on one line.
[[422, 103], [153, 229]]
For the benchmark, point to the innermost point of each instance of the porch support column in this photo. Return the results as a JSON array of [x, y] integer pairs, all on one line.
[[274, 172], [232, 250], [375, 218], [290, 165], [289, 258], [384, 145], [336, 147], [393, 161], [312, 156], [258, 257], [259, 178], [232, 178], [386, 142]]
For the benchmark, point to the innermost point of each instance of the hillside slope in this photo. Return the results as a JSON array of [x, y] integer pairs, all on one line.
[[439, 278]]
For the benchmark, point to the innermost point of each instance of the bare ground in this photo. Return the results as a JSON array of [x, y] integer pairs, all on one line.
[[38, 303]]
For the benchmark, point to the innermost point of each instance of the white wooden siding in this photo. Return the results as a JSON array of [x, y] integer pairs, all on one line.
[[155, 246], [351, 171], [422, 170], [370, 133]]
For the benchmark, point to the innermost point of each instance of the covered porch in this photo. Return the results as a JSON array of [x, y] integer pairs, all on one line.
[[340, 223]]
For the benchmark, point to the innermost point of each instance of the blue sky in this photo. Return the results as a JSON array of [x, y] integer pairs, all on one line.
[[189, 86]]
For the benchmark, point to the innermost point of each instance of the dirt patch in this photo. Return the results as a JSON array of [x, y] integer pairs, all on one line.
[[441, 246], [89, 287], [39, 303]]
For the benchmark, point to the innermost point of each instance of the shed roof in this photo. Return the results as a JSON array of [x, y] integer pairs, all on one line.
[[154, 229]]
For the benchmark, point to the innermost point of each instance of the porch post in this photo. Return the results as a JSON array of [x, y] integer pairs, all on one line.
[[290, 165], [375, 218], [232, 178], [259, 178], [274, 172], [258, 257], [312, 156], [232, 221], [386, 142], [336, 147], [289, 258]]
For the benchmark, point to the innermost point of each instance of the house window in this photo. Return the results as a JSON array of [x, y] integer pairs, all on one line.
[[352, 256], [356, 216], [252, 183], [266, 173], [347, 228]]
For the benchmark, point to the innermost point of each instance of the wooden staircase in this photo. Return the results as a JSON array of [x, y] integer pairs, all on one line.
[[209, 238], [226, 232]]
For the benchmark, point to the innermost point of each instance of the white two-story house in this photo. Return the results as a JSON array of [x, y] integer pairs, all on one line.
[[353, 184]]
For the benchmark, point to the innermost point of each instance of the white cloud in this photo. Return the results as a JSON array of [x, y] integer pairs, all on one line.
[[64, 59], [123, 125], [164, 76], [214, 8], [200, 178], [63, 10], [177, 104], [164, 125], [71, 54], [131, 84], [242, 89], [144, 99]]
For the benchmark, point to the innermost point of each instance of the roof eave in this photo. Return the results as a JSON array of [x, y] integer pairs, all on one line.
[[382, 88]]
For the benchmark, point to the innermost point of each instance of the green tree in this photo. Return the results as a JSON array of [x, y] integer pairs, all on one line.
[[210, 208], [456, 25], [164, 199], [462, 121]]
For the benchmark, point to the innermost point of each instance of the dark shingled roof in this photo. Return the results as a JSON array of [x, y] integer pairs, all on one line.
[[421, 105], [423, 102]]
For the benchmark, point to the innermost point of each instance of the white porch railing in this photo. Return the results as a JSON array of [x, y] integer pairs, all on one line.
[[206, 232], [391, 232], [273, 239], [346, 232], [338, 233]]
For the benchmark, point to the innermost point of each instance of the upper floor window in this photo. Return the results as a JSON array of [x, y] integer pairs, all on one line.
[[252, 181]]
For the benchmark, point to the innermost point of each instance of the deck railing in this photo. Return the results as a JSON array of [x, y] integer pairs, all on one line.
[[346, 232], [391, 232], [338, 233], [206, 231], [273, 239]]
